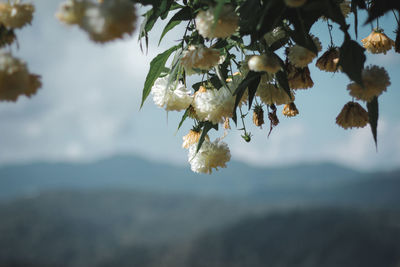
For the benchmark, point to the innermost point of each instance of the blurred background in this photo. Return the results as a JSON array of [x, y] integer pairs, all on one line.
[[88, 179]]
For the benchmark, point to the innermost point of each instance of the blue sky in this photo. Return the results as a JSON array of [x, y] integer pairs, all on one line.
[[88, 107]]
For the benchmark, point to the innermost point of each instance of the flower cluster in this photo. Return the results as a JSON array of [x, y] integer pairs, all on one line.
[[16, 15], [15, 79], [104, 21]]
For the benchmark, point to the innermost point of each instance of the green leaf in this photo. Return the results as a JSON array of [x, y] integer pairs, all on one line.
[[352, 59], [281, 77], [184, 117], [157, 65], [207, 127], [183, 14], [379, 7], [251, 81], [373, 115]]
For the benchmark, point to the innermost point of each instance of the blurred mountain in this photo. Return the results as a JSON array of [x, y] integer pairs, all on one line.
[[126, 211], [304, 238], [136, 173]]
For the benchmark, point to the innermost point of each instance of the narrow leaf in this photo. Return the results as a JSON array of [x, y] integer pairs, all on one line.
[[183, 14], [352, 59], [251, 79], [207, 127], [184, 117], [157, 65], [373, 115], [282, 79]]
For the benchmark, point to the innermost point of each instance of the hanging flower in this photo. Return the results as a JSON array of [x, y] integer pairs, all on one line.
[[268, 63], [72, 11], [192, 138], [300, 56], [290, 110], [375, 80], [299, 78], [258, 116], [377, 42], [15, 79], [210, 156], [352, 115], [109, 20], [329, 60], [16, 15], [275, 35], [225, 26], [202, 58], [295, 3], [174, 96], [214, 105], [345, 7], [271, 94]]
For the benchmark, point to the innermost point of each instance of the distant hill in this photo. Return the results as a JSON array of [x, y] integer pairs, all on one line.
[[139, 174], [304, 238]]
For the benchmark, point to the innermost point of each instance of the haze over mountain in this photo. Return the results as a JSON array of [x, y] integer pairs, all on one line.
[[125, 211]]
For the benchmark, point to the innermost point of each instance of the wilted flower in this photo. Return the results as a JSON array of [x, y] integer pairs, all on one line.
[[109, 20], [271, 94], [329, 60], [173, 96], [345, 7], [15, 79], [375, 80], [300, 56], [73, 11], [377, 42], [290, 110], [299, 78], [16, 15], [210, 156], [268, 63], [214, 105], [275, 35], [7, 36], [225, 26], [192, 138], [202, 58], [352, 115], [295, 3], [258, 115]]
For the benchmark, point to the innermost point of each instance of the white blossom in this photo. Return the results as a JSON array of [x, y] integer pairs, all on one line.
[[174, 96], [214, 105], [225, 26], [210, 156]]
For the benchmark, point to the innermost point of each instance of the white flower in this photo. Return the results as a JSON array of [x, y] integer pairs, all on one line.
[[300, 56], [214, 105], [210, 156], [275, 35], [16, 15], [202, 58], [225, 26], [375, 80], [172, 97], [295, 3], [109, 20], [268, 63], [15, 79]]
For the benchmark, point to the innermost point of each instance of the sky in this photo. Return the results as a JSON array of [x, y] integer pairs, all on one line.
[[88, 107]]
